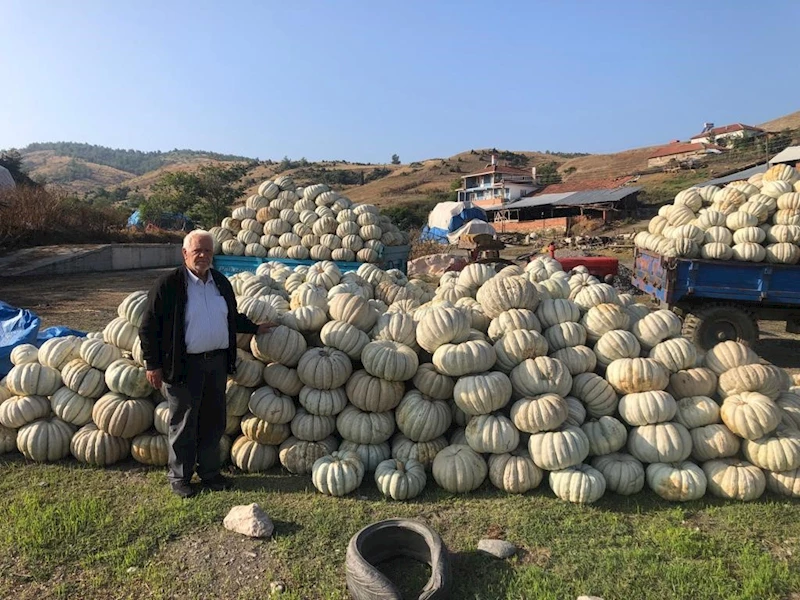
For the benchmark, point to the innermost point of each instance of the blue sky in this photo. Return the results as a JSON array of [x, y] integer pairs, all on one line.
[[363, 80]]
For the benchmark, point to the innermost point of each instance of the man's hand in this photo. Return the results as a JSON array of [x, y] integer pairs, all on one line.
[[266, 327], [156, 378]]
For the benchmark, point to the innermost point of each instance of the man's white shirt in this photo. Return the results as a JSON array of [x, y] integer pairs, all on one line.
[[206, 320]]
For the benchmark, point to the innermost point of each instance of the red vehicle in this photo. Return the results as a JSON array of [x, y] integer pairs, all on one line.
[[602, 267]]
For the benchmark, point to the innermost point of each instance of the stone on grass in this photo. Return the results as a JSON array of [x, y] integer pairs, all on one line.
[[589, 598], [249, 520], [497, 548]]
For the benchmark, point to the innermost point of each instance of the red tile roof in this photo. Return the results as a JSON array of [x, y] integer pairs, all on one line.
[[585, 185], [727, 129], [682, 148]]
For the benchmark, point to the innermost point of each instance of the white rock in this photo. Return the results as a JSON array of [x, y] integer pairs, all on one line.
[[249, 520], [497, 548]]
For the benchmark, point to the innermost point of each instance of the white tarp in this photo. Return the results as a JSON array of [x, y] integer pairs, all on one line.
[[6, 181], [474, 227], [441, 214]]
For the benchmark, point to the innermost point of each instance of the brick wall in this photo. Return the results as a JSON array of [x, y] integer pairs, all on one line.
[[560, 223]]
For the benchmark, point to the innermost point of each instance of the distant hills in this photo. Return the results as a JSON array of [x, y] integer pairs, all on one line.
[[85, 168]]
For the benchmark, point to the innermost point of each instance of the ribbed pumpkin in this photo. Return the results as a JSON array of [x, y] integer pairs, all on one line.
[[614, 345], [424, 452], [577, 412], [24, 353], [269, 405], [98, 354], [593, 295], [324, 368], [441, 326], [298, 456], [577, 359], [681, 482], [70, 406], [647, 408], [396, 327], [697, 411], [282, 378], [354, 310], [700, 381], [371, 455], [785, 483], [120, 333], [602, 318], [512, 320], [389, 360], [596, 393], [373, 394], [768, 380], [345, 337], [660, 442], [493, 434], [58, 351], [264, 432], [21, 410], [503, 293], [565, 335], [252, 457], [337, 474], [716, 251], [657, 327], [554, 311], [482, 393], [365, 427], [400, 480], [631, 375], [623, 473], [734, 479], [580, 484], [82, 378], [33, 379], [713, 441], [150, 449], [123, 376], [45, 440], [515, 472], [282, 345], [606, 435], [518, 345], [422, 419], [314, 428], [323, 402], [121, 416], [558, 449], [432, 383], [675, 354], [750, 415], [545, 412], [778, 451], [93, 446], [541, 375], [729, 355], [459, 469], [789, 403], [455, 360]]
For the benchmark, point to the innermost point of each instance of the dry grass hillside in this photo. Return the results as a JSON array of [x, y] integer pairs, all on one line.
[[48, 166], [790, 121]]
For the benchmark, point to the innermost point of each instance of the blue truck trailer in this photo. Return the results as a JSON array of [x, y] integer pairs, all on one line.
[[721, 300]]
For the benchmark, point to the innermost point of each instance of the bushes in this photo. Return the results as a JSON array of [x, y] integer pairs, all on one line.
[[31, 216]]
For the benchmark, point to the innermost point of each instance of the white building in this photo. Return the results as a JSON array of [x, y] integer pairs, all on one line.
[[497, 185], [719, 135]]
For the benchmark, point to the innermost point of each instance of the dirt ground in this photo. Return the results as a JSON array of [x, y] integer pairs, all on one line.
[[89, 301]]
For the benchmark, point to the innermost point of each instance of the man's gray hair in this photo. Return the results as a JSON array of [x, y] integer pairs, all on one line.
[[195, 234]]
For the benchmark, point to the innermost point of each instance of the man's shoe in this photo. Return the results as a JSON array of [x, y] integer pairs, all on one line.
[[218, 483], [182, 489]]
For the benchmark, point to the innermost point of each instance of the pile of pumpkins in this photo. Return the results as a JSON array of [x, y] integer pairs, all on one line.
[[757, 220], [314, 222], [515, 376]]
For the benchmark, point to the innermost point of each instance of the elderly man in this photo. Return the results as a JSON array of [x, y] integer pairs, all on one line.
[[188, 337]]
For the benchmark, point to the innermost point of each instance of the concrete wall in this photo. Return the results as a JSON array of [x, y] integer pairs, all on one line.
[[112, 257], [559, 223]]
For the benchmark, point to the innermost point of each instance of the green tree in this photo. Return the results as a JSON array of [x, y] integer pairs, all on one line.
[[548, 173], [12, 160], [395, 159], [204, 195]]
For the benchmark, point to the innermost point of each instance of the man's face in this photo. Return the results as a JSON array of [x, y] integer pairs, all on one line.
[[198, 255]]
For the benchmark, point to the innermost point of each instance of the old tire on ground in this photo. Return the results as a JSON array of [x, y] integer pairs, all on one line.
[[388, 539], [707, 326]]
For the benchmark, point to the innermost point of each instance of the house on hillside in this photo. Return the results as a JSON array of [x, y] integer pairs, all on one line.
[[559, 206], [681, 151], [497, 184], [726, 134], [789, 156]]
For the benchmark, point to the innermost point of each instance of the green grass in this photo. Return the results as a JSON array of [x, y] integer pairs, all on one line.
[[68, 531]]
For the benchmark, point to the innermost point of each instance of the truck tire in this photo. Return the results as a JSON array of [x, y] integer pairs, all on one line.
[[389, 539], [709, 325]]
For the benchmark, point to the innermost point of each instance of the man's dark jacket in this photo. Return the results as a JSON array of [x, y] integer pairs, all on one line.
[[163, 330]]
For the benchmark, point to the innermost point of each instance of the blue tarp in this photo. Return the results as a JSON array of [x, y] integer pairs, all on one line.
[[21, 326], [176, 221], [447, 217], [435, 234]]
